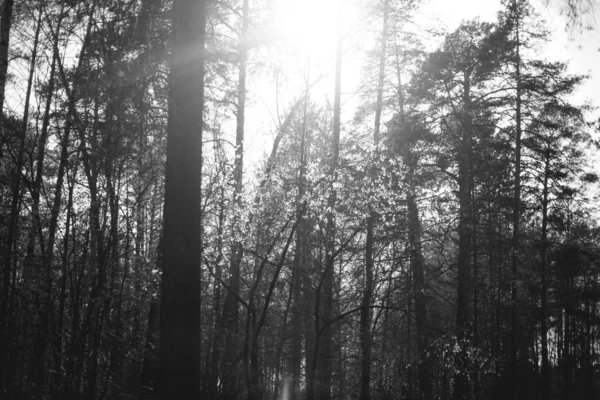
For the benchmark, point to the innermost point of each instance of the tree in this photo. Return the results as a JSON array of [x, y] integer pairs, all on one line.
[[380, 256], [231, 312], [458, 76], [365, 316], [181, 277], [5, 24]]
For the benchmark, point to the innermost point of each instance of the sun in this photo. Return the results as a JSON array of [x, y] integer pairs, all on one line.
[[308, 27]]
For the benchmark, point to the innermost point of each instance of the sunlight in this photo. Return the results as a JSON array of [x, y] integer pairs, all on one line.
[[309, 26], [307, 31]]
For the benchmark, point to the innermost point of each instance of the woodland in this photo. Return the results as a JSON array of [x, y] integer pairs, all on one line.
[[434, 238]]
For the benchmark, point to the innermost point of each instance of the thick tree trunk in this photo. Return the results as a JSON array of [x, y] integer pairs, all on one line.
[[180, 331]]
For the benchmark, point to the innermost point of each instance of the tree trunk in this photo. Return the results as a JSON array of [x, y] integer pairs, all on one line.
[[212, 367], [93, 321], [461, 380], [72, 95], [418, 273], [5, 25], [44, 282], [365, 313], [231, 307], [58, 352], [301, 259], [516, 221], [327, 353], [150, 365], [546, 384], [180, 331], [15, 210], [310, 338]]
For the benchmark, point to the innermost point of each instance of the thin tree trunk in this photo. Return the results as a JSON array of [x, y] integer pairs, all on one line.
[[74, 364], [5, 25], [254, 384], [231, 307], [58, 351], [365, 314], [308, 302], [150, 365], [112, 175], [418, 273], [300, 261], [461, 380], [73, 359], [474, 219], [212, 367], [6, 311], [546, 384], [53, 226], [516, 226], [284, 326], [38, 367], [327, 353], [93, 321]]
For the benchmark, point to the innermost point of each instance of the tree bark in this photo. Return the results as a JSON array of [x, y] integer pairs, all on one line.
[[180, 331]]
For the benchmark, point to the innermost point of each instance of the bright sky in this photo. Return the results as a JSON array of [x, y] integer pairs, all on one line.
[[582, 50]]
